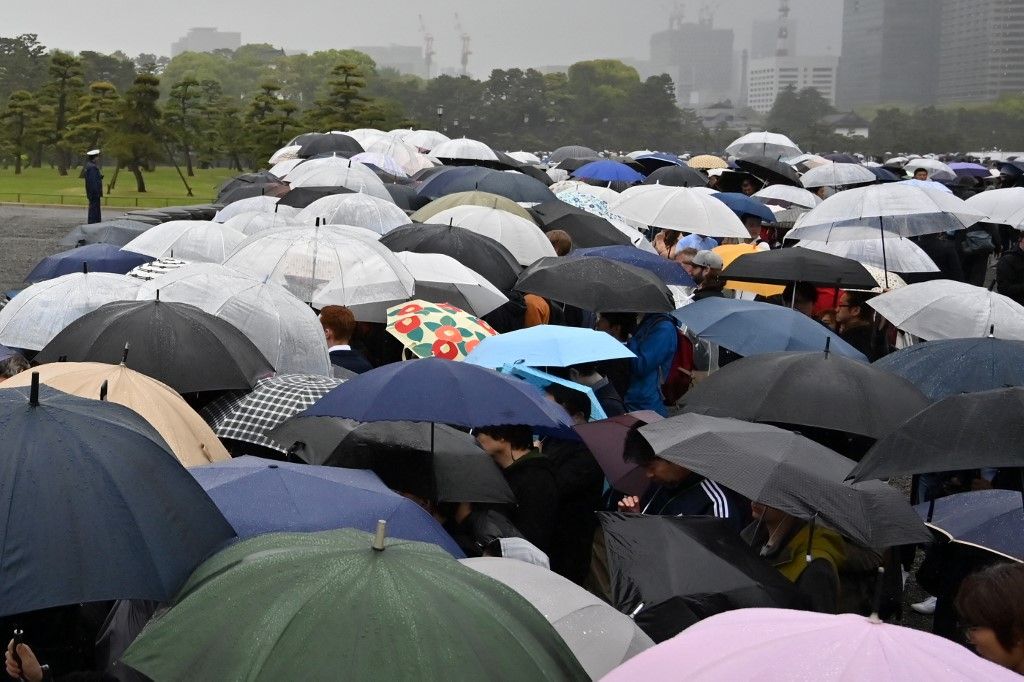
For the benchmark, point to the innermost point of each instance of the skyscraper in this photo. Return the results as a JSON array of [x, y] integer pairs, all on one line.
[[981, 50], [698, 57]]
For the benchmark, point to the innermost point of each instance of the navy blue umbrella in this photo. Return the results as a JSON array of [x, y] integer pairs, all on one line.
[[751, 328], [607, 170], [96, 257], [951, 366], [262, 496], [514, 186], [93, 505], [741, 203], [655, 160], [669, 271], [883, 174], [992, 520]]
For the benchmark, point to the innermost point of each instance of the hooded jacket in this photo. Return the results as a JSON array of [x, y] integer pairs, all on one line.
[[654, 343]]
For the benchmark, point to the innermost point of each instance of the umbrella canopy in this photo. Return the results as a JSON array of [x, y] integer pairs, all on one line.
[[255, 222], [607, 170], [774, 145], [357, 210], [285, 329], [192, 240], [787, 196], [339, 172], [442, 279], [478, 252], [186, 434], [988, 519], [770, 170], [239, 188], [365, 136], [776, 645], [122, 518], [521, 237], [896, 254], [707, 162], [926, 185], [436, 330], [176, 343], [405, 155], [262, 204], [422, 139], [41, 311], [596, 284], [585, 229], [679, 208], [472, 198], [89, 258], [405, 197], [822, 390], [837, 175], [937, 170], [676, 176], [463, 149], [605, 194], [732, 252], [944, 309], [884, 280], [964, 431], [328, 143], [600, 637], [573, 151], [999, 204], [525, 157], [260, 496], [606, 439], [116, 232], [380, 161], [512, 186], [782, 266], [670, 572], [953, 366], [670, 272], [753, 328], [289, 605], [741, 204], [286, 153], [301, 197], [970, 170], [548, 346]]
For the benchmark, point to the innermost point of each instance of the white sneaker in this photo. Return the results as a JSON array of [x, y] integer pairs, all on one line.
[[926, 607]]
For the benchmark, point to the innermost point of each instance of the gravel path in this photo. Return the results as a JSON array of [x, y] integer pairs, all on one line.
[[28, 234]]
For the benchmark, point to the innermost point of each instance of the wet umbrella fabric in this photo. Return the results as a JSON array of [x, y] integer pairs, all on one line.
[[989, 519], [952, 366], [670, 272], [770, 170], [476, 251], [405, 197], [945, 309], [514, 186], [301, 197], [763, 143], [327, 143], [260, 496], [93, 257], [895, 255], [837, 175], [676, 176], [442, 279], [117, 232], [175, 343], [742, 204], [606, 439], [548, 346], [783, 266], [585, 229], [788, 196], [120, 516], [470, 198], [596, 284], [570, 152], [607, 170]]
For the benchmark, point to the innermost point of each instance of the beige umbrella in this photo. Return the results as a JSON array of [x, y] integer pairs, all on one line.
[[472, 198], [188, 436], [706, 162]]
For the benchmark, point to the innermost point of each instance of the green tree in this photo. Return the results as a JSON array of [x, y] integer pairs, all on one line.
[[116, 69], [304, 78], [270, 122], [231, 133], [344, 105], [660, 124], [799, 115], [603, 102], [60, 96], [182, 117], [211, 101], [95, 117], [22, 64], [135, 142], [18, 118]]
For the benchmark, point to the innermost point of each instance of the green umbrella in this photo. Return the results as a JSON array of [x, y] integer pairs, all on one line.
[[474, 198], [319, 606]]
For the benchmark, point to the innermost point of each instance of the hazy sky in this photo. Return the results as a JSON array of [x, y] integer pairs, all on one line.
[[521, 32]]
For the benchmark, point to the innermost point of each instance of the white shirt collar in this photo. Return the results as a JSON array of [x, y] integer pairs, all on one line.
[[343, 346]]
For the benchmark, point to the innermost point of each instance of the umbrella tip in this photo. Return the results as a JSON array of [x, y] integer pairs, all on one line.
[[378, 538], [103, 390], [992, 331], [124, 354], [33, 396], [85, 267], [828, 344]]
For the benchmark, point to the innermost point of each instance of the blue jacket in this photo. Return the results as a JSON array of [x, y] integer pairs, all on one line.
[[654, 344], [93, 181]]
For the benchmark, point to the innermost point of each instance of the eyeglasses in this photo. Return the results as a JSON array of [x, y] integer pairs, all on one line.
[[844, 305]]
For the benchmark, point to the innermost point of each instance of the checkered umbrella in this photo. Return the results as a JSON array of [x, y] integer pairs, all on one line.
[[248, 416]]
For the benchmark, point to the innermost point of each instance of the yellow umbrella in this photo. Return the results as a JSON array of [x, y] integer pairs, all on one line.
[[190, 439], [729, 253], [475, 198], [706, 162], [437, 330]]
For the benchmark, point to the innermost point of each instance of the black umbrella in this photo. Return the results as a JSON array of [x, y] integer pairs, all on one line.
[[677, 176], [574, 164], [117, 232], [669, 572], [842, 158], [150, 217], [783, 266], [536, 173], [586, 229], [274, 189], [176, 343], [328, 143], [427, 173], [786, 471], [884, 174], [301, 197], [572, 151], [486, 256], [406, 197], [772, 171], [596, 284], [821, 390], [966, 431], [992, 520]]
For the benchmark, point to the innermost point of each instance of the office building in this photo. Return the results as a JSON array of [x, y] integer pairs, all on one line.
[[769, 76], [764, 38], [698, 57], [981, 50], [206, 39]]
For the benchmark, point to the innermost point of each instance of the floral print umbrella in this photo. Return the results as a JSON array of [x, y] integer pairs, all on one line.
[[436, 330]]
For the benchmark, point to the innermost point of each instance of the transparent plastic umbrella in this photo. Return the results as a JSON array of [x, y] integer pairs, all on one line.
[[837, 175], [254, 222], [944, 309], [794, 196], [192, 240], [357, 210], [1000, 205], [463, 149], [423, 139], [407, 156], [679, 208], [442, 279], [260, 203], [524, 239], [335, 171], [901, 254], [772, 145]]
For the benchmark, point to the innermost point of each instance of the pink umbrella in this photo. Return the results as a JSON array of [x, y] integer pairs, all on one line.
[[780, 644]]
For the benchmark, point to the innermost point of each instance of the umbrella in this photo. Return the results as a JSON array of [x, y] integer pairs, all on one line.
[[525, 157], [255, 222], [246, 190], [365, 136], [605, 194], [884, 280], [822, 390], [944, 309], [670, 572], [585, 228], [339, 172], [653, 160], [157, 268], [436, 330], [249, 417], [805, 162], [706, 162], [952, 366], [883, 174], [963, 431], [263, 204], [191, 240], [385, 163], [731, 252], [357, 210], [676, 176], [670, 272], [406, 156], [897, 254], [521, 237], [679, 208], [936, 169], [741, 205], [260, 496], [970, 170], [787, 195], [596, 284], [442, 279], [600, 637], [285, 166], [607, 170], [513, 186], [926, 185], [774, 145], [187, 436], [89, 258], [988, 519], [769, 170], [38, 313], [548, 346], [480, 253], [285, 329], [998, 204], [471, 198], [175, 343], [463, 149], [573, 151], [775, 645], [753, 328], [405, 197], [286, 153], [327, 143], [423, 139], [606, 439], [301, 197], [837, 175], [122, 519], [116, 232], [782, 266]]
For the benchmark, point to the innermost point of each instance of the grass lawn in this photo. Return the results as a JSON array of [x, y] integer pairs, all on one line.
[[163, 187]]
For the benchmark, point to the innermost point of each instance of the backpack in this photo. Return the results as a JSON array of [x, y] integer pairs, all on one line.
[[680, 372]]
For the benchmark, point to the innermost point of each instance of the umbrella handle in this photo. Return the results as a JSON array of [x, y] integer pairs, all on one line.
[[810, 537], [876, 599], [19, 638], [378, 538]]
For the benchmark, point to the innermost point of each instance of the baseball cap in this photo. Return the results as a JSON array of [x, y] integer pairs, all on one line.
[[708, 259]]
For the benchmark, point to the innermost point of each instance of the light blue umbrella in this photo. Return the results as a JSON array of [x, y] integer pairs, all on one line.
[[542, 379], [547, 345]]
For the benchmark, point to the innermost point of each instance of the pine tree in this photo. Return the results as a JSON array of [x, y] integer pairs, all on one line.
[[60, 95], [344, 106], [18, 118], [135, 142], [182, 117], [97, 112]]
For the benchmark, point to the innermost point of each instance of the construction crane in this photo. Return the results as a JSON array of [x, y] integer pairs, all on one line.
[[465, 45], [428, 47], [782, 37]]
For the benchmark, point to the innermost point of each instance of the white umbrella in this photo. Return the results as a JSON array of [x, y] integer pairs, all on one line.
[[936, 169], [40, 312], [525, 157], [794, 196], [900, 255], [334, 171], [286, 153], [524, 239], [284, 328], [944, 309], [773, 145], [896, 161], [600, 637], [1000, 205], [424, 139], [357, 210], [887, 281], [283, 168], [679, 208], [837, 175], [442, 279], [193, 240], [463, 149], [606, 194], [566, 186], [807, 161], [365, 136], [304, 259], [557, 174], [385, 163], [156, 268], [254, 222], [260, 203], [927, 185], [405, 155]]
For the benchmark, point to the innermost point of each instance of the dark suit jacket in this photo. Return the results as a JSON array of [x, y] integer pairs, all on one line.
[[351, 360]]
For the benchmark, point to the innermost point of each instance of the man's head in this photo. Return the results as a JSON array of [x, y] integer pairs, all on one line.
[[805, 295], [748, 186], [753, 225], [13, 364], [502, 442], [685, 258], [339, 324], [707, 266], [921, 174], [560, 241], [574, 402], [619, 325], [852, 309], [663, 472]]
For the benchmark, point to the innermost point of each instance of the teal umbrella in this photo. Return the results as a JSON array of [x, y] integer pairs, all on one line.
[[346, 605]]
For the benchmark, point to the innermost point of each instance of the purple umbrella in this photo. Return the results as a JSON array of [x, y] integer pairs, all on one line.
[[973, 170], [606, 439]]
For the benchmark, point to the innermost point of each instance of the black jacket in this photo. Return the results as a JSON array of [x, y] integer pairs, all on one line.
[[945, 255], [532, 479], [1010, 274], [580, 481], [697, 496], [352, 360], [864, 339]]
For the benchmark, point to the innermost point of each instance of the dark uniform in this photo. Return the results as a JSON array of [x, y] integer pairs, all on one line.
[[93, 188]]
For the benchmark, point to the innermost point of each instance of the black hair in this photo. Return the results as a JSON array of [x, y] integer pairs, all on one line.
[[805, 293], [992, 598], [625, 321], [637, 450], [519, 436], [859, 299], [574, 402]]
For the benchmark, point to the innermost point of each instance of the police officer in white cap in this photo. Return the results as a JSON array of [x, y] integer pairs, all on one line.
[[93, 184]]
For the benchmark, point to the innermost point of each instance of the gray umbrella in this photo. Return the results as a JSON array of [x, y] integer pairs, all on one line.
[[786, 471]]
